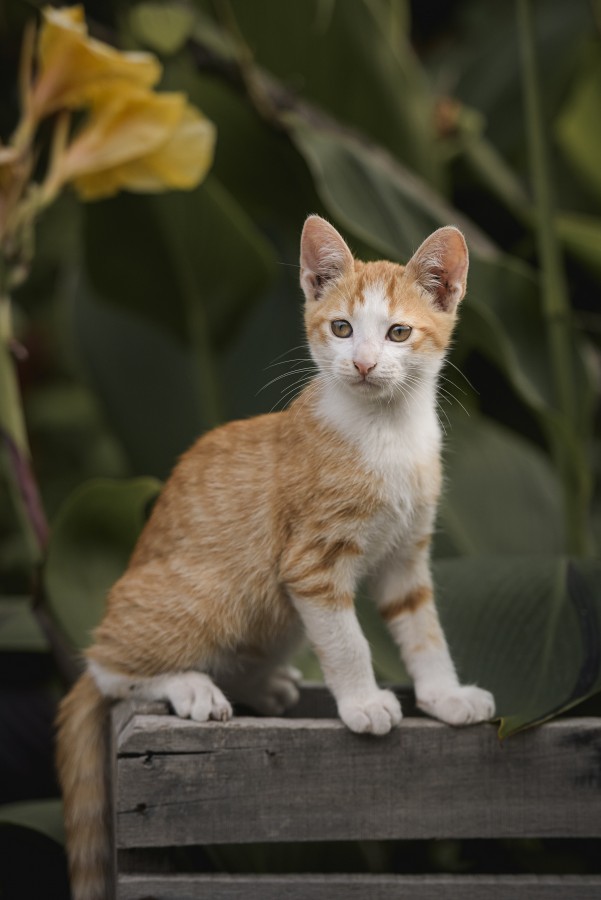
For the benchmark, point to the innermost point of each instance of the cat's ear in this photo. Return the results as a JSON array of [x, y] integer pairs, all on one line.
[[324, 257], [440, 267]]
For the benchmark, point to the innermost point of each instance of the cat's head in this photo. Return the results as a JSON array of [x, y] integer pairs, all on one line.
[[377, 326]]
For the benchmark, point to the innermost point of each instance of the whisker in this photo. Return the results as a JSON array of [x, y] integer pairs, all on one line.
[[451, 382], [463, 375], [285, 375], [451, 398], [305, 345], [285, 362]]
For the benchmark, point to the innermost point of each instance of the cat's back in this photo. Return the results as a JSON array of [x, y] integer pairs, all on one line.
[[222, 485]]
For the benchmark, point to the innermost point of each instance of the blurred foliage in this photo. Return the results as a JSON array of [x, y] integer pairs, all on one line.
[[150, 319]]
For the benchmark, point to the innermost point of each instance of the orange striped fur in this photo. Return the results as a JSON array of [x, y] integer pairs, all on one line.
[[266, 526]]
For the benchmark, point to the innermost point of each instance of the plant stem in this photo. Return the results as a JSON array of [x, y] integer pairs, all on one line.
[[16, 455], [11, 414], [567, 447]]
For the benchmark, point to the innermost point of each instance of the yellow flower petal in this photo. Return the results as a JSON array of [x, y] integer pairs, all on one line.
[[132, 125], [182, 161], [77, 70]]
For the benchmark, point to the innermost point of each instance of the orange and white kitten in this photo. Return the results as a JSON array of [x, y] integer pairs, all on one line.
[[266, 527]]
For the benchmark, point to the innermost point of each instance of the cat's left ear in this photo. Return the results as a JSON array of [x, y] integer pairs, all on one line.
[[440, 267], [324, 257]]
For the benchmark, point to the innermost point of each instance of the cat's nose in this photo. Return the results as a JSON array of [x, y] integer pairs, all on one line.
[[363, 368]]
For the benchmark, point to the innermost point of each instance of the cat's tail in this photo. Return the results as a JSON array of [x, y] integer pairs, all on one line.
[[82, 761]]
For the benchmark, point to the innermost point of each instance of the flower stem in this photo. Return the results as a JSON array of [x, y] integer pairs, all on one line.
[[15, 446], [567, 444], [11, 413]]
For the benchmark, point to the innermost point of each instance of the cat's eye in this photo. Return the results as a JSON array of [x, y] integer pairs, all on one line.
[[399, 333], [341, 328]]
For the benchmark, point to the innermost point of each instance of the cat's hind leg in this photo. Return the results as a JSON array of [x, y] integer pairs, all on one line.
[[269, 690], [192, 695]]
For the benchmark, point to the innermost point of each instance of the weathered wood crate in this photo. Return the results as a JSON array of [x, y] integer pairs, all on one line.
[[176, 783]]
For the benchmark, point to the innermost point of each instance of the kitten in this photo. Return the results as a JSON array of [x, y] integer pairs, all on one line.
[[267, 525]]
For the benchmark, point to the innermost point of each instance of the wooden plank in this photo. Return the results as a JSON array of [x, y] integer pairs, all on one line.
[[316, 702], [358, 887], [252, 780]]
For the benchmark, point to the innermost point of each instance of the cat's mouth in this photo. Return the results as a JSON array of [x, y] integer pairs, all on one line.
[[367, 384]]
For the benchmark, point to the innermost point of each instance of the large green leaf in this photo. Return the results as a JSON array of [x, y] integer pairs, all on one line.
[[483, 61], [372, 194], [45, 816], [354, 59], [146, 380], [172, 255], [501, 494], [526, 628], [152, 323], [92, 539]]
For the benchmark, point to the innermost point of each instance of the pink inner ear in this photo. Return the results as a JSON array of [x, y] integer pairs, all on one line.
[[324, 256], [440, 266]]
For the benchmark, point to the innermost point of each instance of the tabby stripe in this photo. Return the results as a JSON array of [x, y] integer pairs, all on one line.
[[407, 604], [328, 554], [324, 594], [319, 558], [423, 542]]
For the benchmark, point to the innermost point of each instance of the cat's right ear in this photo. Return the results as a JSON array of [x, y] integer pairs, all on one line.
[[324, 257]]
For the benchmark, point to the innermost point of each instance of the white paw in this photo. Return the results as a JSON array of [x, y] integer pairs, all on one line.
[[194, 696], [460, 705], [374, 714], [277, 693]]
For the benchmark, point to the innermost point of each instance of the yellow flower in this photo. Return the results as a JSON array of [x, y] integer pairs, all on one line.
[[75, 70], [139, 141]]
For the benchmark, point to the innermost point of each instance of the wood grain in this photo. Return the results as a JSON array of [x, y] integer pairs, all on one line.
[[252, 780], [358, 887]]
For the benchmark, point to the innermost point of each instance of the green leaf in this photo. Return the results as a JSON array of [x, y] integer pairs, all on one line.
[[19, 629], [143, 376], [501, 493], [372, 194], [172, 264], [355, 60], [526, 628], [174, 252], [495, 89], [162, 27], [45, 816], [92, 539]]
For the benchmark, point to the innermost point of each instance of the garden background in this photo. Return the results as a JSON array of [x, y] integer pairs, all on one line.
[[144, 319]]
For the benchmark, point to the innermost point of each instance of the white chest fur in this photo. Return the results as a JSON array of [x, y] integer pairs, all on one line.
[[400, 443]]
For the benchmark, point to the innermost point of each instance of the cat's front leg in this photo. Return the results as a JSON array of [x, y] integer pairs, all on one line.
[[343, 652], [405, 599]]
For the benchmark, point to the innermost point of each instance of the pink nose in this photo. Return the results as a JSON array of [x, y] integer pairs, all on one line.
[[364, 368]]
